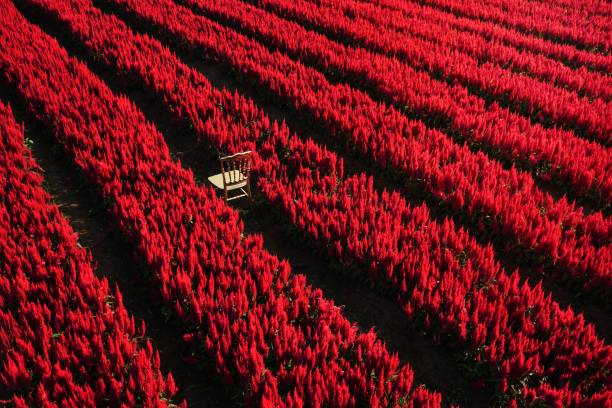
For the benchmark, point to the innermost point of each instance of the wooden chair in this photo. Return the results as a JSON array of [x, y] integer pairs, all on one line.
[[235, 175]]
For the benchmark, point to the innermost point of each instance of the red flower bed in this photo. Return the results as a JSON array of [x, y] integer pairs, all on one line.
[[540, 101], [439, 272], [582, 81], [65, 338], [505, 204], [552, 155], [565, 53], [265, 329], [584, 35]]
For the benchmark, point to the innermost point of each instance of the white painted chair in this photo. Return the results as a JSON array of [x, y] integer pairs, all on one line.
[[235, 175]]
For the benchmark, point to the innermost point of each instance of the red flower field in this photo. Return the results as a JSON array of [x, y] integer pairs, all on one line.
[[444, 167]]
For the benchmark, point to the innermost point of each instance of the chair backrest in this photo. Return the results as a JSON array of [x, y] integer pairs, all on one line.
[[236, 168]]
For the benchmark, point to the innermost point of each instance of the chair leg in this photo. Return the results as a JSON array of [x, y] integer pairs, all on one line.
[[249, 190]]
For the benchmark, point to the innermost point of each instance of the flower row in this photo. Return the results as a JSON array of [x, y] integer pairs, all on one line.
[[65, 338], [503, 203], [264, 329], [438, 271]]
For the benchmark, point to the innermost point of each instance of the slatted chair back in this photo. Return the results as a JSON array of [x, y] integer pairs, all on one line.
[[236, 169]]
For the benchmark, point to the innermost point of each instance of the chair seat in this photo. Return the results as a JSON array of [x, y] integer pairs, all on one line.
[[217, 180]]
